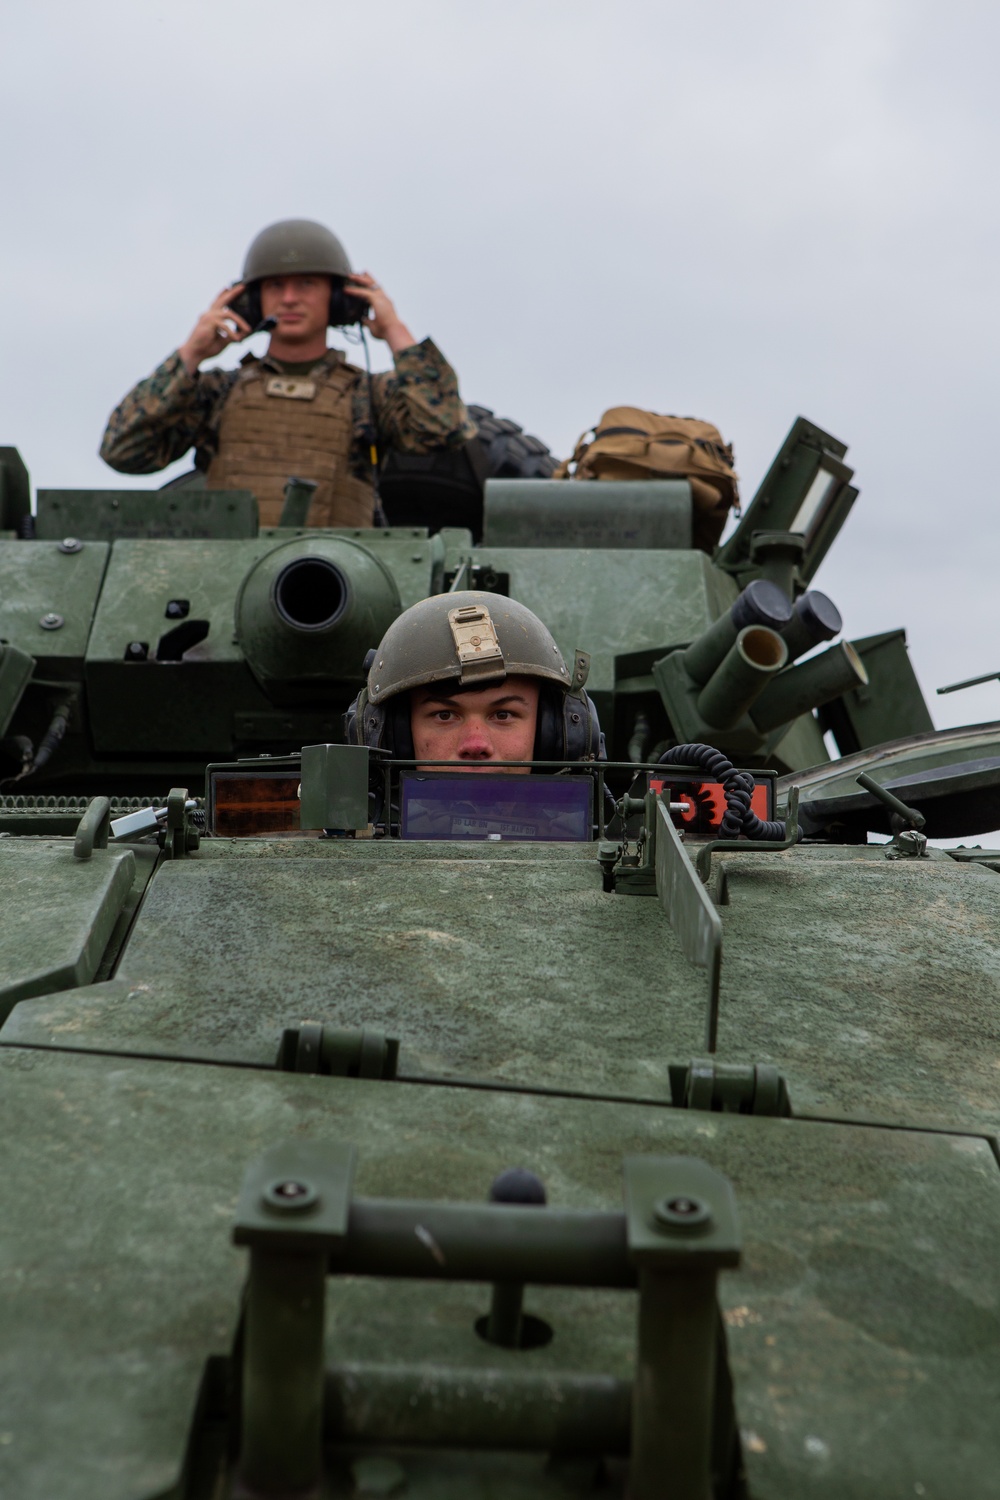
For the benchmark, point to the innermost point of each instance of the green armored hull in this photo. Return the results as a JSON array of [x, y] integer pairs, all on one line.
[[255, 1089]]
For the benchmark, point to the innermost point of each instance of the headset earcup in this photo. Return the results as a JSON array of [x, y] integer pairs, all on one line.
[[397, 735], [568, 727], [598, 745], [380, 727], [550, 733], [255, 312], [354, 720], [583, 735]]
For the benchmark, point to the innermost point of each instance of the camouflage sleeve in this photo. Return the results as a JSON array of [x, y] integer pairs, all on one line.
[[417, 405], [165, 415]]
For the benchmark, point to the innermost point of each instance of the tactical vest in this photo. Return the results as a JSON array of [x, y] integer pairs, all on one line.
[[275, 426]]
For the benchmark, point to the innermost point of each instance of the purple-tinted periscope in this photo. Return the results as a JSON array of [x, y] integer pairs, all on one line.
[[478, 806]]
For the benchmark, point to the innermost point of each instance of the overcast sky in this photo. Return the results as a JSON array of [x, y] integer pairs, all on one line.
[[737, 211]]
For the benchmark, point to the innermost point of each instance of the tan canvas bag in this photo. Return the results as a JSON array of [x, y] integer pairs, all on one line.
[[629, 443]]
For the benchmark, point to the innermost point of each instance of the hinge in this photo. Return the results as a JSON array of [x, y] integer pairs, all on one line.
[[312, 1048], [182, 835], [735, 1088]]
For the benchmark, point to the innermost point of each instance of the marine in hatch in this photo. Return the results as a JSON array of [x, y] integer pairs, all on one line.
[[470, 682], [301, 409], [474, 678]]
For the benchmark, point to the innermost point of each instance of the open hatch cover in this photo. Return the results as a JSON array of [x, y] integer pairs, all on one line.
[[952, 777]]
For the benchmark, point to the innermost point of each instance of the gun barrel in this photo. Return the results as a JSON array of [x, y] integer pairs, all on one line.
[[298, 499], [308, 611], [809, 685], [761, 603], [815, 618], [742, 675]]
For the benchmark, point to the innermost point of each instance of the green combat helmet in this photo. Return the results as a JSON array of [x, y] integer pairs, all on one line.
[[475, 639], [301, 247]]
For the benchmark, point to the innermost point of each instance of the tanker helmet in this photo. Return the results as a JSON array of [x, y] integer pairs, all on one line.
[[300, 247], [474, 639], [295, 247]]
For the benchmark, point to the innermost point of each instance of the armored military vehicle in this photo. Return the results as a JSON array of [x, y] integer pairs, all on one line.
[[653, 1154]]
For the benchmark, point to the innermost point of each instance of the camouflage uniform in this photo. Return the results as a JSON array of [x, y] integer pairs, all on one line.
[[417, 408]]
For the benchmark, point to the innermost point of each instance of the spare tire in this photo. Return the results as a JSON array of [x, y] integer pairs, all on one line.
[[445, 488], [510, 453]]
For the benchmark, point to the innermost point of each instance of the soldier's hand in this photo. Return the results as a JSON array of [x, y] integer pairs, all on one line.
[[383, 320], [217, 327]]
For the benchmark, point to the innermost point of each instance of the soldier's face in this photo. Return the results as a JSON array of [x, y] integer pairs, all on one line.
[[475, 729], [301, 305]]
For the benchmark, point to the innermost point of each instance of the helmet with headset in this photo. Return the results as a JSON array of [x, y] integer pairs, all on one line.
[[476, 640], [300, 247]]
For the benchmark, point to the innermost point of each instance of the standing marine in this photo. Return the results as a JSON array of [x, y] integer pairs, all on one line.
[[301, 409]]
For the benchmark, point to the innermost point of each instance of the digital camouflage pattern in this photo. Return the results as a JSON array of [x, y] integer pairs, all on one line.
[[417, 408]]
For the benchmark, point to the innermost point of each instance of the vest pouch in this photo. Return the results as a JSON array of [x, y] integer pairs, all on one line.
[[274, 426]]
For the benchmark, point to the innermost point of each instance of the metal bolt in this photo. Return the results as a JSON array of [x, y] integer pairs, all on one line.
[[290, 1195], [291, 1190], [682, 1214], [70, 544], [136, 648], [517, 1185], [51, 621]]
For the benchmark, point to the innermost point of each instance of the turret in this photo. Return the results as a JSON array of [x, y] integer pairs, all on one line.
[[144, 634], [307, 612]]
